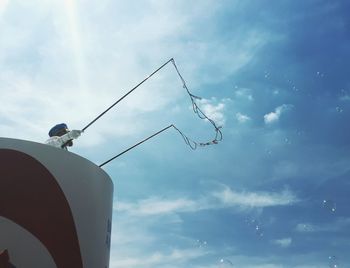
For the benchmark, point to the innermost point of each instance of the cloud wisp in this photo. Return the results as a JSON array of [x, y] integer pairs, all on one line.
[[214, 200], [242, 118], [228, 197], [244, 93], [338, 225], [157, 259], [157, 206], [214, 110], [283, 242], [273, 117]]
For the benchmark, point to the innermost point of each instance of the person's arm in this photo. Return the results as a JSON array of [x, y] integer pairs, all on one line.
[[71, 135], [60, 141]]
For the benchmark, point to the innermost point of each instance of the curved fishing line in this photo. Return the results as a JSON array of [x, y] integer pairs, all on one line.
[[218, 134], [192, 144]]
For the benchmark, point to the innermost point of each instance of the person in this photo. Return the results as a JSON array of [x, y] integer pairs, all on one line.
[[62, 137]]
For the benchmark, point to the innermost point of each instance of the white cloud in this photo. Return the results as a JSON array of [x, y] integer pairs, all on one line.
[[136, 244], [255, 199], [283, 242], [244, 93], [3, 5], [339, 224], [306, 228], [275, 116], [345, 98], [157, 259], [157, 206], [63, 66], [214, 111], [271, 261], [285, 169], [242, 117]]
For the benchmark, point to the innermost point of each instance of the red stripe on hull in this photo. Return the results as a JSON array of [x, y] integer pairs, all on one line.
[[31, 197]]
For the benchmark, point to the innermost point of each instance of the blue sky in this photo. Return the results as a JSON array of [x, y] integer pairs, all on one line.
[[274, 193]]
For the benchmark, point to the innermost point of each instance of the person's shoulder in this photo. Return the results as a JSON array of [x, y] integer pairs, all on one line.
[[53, 138], [54, 141]]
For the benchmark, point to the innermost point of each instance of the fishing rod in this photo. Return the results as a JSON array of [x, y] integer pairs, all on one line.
[[137, 144], [124, 96], [192, 144]]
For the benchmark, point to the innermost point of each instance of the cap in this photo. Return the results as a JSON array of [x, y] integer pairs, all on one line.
[[59, 127]]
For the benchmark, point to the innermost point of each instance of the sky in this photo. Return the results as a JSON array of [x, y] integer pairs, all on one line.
[[273, 73]]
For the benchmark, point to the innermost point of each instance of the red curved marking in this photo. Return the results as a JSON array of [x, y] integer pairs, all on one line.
[[31, 197], [4, 258]]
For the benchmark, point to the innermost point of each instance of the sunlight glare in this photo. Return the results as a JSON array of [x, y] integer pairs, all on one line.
[[75, 35], [3, 5]]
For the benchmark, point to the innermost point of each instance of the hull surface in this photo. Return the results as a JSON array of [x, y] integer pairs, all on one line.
[[55, 207]]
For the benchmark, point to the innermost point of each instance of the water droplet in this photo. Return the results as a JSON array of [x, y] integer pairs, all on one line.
[[329, 205], [256, 227], [304, 227], [225, 263], [287, 141], [339, 109], [299, 132], [320, 74], [201, 243], [295, 88], [333, 262]]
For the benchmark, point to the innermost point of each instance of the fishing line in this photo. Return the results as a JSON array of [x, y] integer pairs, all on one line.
[[192, 144], [218, 134]]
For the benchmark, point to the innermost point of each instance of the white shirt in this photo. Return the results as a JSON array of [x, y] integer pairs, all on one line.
[[57, 141]]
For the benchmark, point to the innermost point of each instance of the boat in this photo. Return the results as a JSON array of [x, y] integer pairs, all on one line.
[[55, 208]]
